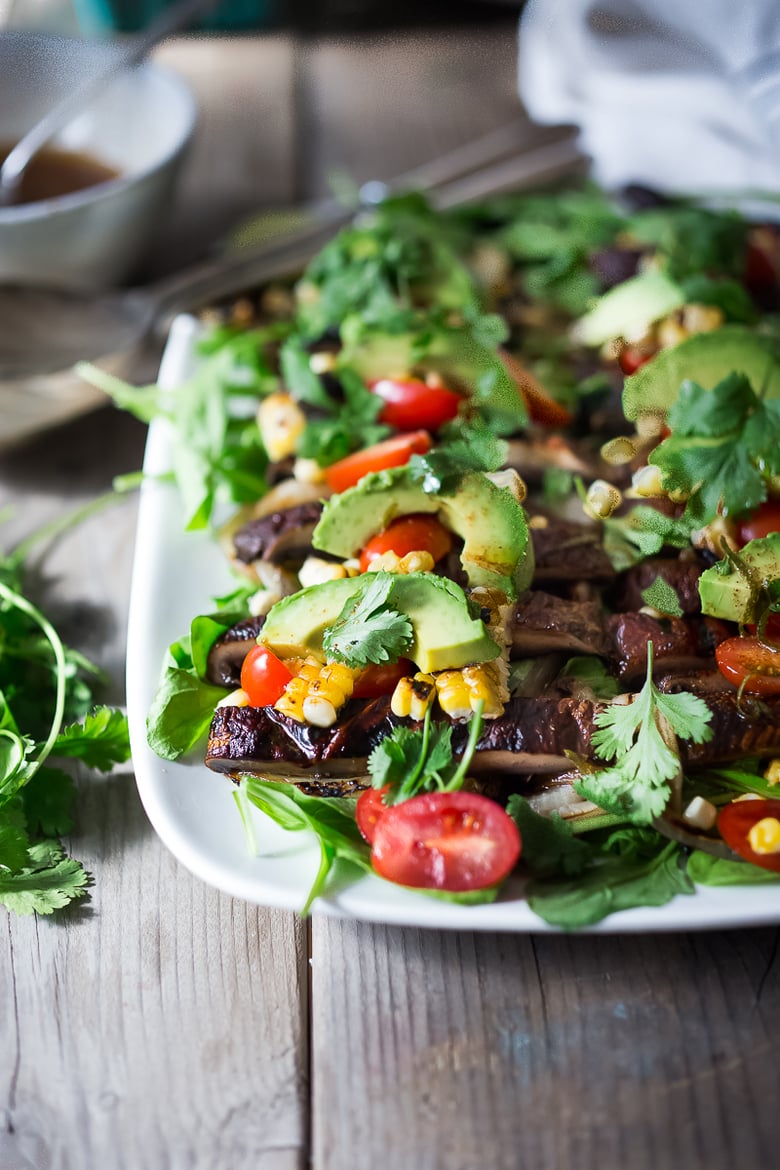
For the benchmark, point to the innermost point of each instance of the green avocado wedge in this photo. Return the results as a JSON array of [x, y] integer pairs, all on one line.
[[497, 552], [445, 634], [705, 358], [738, 591]]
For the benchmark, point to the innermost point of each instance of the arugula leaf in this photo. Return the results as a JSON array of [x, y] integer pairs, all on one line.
[[636, 783], [706, 870], [549, 846], [47, 883], [298, 376], [467, 446], [663, 597], [101, 741], [631, 868], [724, 447], [368, 629], [181, 712]]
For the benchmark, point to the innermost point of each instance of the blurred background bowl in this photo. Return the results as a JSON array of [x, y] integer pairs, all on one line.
[[140, 126]]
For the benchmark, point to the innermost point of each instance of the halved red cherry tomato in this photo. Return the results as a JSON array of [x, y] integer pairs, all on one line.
[[393, 452], [411, 403], [263, 677], [369, 809], [630, 359], [764, 520], [374, 681], [416, 533], [746, 660], [446, 841], [735, 821], [541, 407]]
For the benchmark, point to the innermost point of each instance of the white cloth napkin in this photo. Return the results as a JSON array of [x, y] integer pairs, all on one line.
[[682, 95]]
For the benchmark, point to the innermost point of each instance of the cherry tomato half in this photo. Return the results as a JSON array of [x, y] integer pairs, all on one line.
[[630, 359], [411, 403], [263, 676], [746, 660], [369, 809], [393, 452], [446, 841], [381, 679], [735, 822], [764, 520], [416, 533], [541, 407]]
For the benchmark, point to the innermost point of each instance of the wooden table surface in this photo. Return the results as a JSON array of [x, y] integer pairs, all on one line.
[[161, 1024]]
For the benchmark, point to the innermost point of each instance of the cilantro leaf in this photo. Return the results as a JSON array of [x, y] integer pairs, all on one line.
[[663, 597], [47, 883], [348, 426], [641, 533], [48, 801], [14, 844], [409, 761], [101, 741], [629, 735], [369, 629], [466, 447], [724, 446], [592, 672]]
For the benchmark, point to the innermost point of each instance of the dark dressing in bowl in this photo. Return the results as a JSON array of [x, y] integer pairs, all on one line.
[[54, 172]]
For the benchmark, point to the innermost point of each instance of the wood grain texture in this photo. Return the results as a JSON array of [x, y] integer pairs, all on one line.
[[159, 1024], [452, 1051]]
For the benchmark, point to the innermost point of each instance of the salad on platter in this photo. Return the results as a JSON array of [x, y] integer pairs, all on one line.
[[505, 527]]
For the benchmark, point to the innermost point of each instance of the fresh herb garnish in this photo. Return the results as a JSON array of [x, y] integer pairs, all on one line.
[[347, 426], [464, 447], [723, 449], [661, 596], [592, 673], [369, 629], [409, 761], [636, 784]]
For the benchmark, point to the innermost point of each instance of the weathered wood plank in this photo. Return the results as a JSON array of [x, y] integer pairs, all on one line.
[[438, 1050], [161, 1024]]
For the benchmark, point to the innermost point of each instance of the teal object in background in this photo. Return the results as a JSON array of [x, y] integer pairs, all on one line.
[[101, 16]]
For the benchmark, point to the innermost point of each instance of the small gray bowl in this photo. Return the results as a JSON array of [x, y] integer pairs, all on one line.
[[140, 126]]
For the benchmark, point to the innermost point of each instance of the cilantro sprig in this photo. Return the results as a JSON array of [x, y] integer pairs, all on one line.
[[723, 449], [369, 629], [641, 764], [409, 761], [463, 446]]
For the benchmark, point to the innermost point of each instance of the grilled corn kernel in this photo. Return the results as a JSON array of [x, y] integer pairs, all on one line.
[[772, 773], [764, 837], [702, 318], [413, 696], [671, 332], [538, 522], [237, 698], [618, 451], [647, 481], [700, 814], [281, 422], [317, 692], [418, 561], [712, 536], [322, 362], [459, 692], [650, 426], [601, 500], [509, 479], [308, 471]]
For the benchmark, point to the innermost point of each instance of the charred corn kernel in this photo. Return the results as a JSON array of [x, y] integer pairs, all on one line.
[[671, 332], [647, 481], [611, 350], [306, 293], [242, 311], [747, 796], [538, 522], [772, 773], [277, 301], [308, 471], [651, 611], [281, 422], [702, 318], [509, 479], [237, 698], [317, 692], [650, 426], [601, 500], [459, 692], [618, 451], [700, 814], [413, 696], [764, 837], [712, 536], [418, 561], [314, 571], [322, 363]]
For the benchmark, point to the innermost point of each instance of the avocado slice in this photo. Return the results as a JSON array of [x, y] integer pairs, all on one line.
[[446, 636], [496, 552], [463, 362], [740, 596], [706, 358], [628, 309]]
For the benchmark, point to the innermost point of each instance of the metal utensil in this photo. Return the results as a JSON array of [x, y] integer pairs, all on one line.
[[133, 51], [45, 331]]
